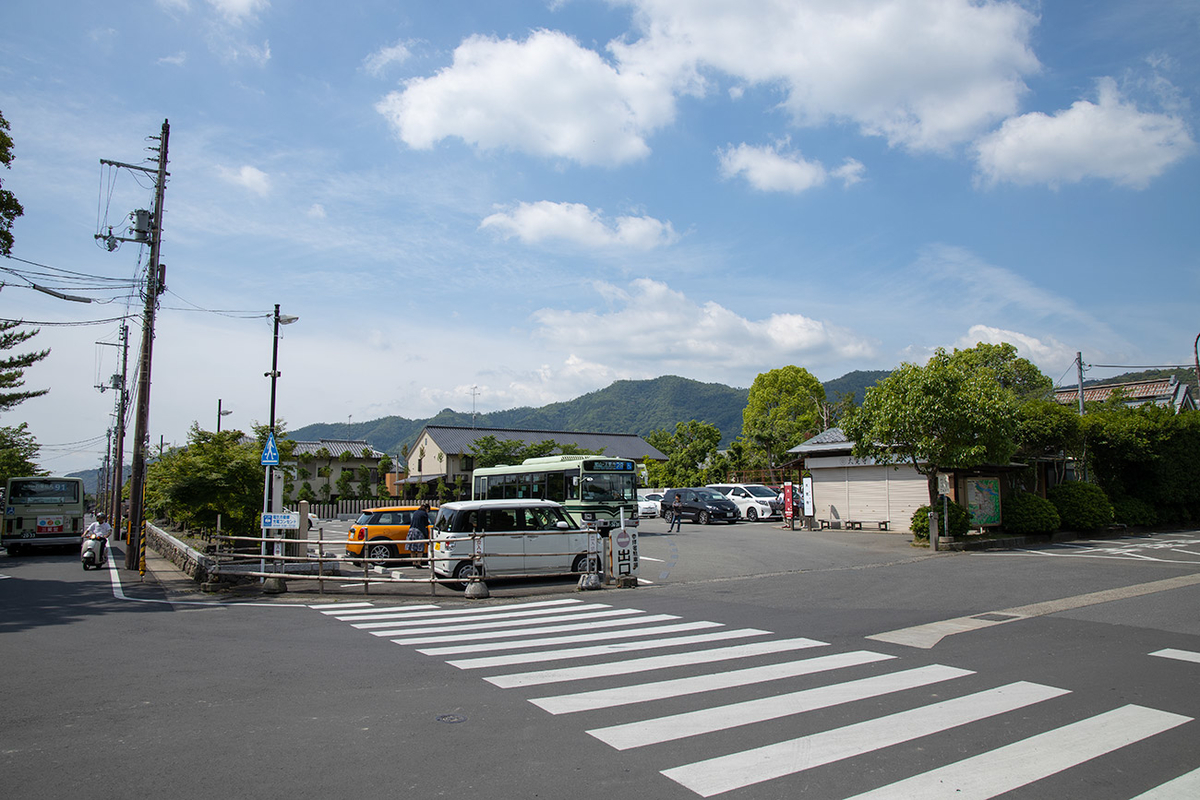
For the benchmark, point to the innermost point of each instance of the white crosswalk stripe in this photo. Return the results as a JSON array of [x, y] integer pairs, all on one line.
[[595, 637], [1178, 655], [719, 718], [725, 773], [611, 648]]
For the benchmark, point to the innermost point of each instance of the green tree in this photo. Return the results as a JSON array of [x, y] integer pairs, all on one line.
[[10, 209], [12, 368], [944, 415], [216, 473], [782, 410], [18, 453], [1010, 370], [689, 450]]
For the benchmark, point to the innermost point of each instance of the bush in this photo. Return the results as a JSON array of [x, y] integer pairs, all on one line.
[[1081, 506], [960, 521], [1132, 511], [1029, 513]]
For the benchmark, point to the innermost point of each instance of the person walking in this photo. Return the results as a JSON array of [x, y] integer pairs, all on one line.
[[676, 515], [418, 531]]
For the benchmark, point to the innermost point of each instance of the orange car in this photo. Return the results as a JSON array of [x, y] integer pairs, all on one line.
[[385, 531]]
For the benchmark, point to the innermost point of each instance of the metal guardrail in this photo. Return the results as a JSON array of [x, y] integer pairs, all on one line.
[[301, 564]]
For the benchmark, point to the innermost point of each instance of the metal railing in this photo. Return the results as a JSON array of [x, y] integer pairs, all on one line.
[[291, 558]]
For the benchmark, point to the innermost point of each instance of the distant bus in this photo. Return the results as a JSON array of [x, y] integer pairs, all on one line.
[[592, 488], [42, 512]]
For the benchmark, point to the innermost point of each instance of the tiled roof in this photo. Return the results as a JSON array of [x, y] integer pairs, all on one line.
[[1163, 391], [452, 439], [336, 447], [828, 440]]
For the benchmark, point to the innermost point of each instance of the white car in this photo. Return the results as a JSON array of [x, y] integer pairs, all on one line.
[[649, 504], [518, 537], [753, 500]]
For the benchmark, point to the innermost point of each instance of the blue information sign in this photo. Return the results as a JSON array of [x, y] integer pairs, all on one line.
[[270, 454]]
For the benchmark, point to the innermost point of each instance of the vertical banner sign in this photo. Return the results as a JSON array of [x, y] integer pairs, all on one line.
[[624, 543], [788, 512], [809, 508]]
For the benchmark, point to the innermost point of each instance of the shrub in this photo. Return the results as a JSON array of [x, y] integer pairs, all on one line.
[[1132, 511], [960, 521], [1081, 506], [1025, 512]]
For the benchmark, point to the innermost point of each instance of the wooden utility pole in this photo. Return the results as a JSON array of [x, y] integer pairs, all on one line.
[[155, 282]]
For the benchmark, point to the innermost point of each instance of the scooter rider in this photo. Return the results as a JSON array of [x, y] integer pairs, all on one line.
[[100, 529]]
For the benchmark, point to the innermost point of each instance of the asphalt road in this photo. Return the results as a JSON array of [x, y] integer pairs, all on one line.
[[754, 662]]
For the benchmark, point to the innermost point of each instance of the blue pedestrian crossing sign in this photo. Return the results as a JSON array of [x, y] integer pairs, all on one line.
[[270, 454]]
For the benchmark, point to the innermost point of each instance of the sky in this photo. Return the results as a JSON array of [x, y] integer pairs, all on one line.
[[479, 205]]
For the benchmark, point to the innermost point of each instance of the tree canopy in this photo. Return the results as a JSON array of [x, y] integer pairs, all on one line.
[[12, 368], [953, 413], [215, 473], [10, 208], [18, 453], [783, 409], [691, 454]]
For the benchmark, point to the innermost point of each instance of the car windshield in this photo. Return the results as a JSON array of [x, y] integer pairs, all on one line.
[[709, 494], [760, 491]]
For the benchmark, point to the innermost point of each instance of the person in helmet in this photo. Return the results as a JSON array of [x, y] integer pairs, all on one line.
[[100, 529]]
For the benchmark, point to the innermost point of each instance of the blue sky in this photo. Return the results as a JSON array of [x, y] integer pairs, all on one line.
[[507, 204]]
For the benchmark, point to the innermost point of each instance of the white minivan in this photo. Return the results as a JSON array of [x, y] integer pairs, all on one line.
[[523, 537]]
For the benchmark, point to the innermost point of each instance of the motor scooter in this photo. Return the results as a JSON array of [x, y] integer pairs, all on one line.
[[93, 553]]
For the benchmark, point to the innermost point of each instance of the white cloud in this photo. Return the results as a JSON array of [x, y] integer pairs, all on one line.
[[924, 74], [317, 211], [575, 222], [1047, 352], [1108, 140], [377, 62], [236, 12], [248, 177], [177, 60], [547, 96], [653, 330], [767, 169]]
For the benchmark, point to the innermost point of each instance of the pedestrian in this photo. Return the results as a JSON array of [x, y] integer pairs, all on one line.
[[676, 515], [418, 531]]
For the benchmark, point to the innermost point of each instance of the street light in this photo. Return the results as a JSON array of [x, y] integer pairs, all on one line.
[[220, 414], [280, 319]]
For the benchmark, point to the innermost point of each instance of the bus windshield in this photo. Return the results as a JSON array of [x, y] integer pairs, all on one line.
[[611, 486], [38, 491]]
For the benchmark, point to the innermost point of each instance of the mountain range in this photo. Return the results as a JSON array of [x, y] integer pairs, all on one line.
[[623, 407]]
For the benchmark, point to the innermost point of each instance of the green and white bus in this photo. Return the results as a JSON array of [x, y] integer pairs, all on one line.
[[594, 489], [42, 512]]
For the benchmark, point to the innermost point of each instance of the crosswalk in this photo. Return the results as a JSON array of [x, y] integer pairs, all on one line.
[[576, 650]]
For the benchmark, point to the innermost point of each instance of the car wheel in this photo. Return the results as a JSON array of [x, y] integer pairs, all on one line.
[[702, 518], [752, 515], [381, 552], [669, 516], [580, 564], [463, 574]]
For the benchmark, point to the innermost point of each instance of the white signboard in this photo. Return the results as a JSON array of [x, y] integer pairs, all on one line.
[[809, 510], [289, 522]]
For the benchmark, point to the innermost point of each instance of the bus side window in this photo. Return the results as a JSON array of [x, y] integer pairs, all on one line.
[[572, 484]]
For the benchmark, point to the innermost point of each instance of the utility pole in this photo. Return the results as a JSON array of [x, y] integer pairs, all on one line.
[[155, 282], [1079, 366], [118, 475]]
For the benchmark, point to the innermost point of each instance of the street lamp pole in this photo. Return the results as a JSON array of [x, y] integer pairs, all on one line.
[[274, 374], [220, 414]]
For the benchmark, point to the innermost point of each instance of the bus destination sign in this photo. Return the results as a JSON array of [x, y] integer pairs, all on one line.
[[608, 466]]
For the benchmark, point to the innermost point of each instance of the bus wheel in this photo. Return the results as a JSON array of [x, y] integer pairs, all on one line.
[[380, 552]]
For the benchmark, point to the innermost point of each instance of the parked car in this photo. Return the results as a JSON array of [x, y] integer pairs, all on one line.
[[754, 501], [384, 530], [523, 537], [648, 504], [700, 504]]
